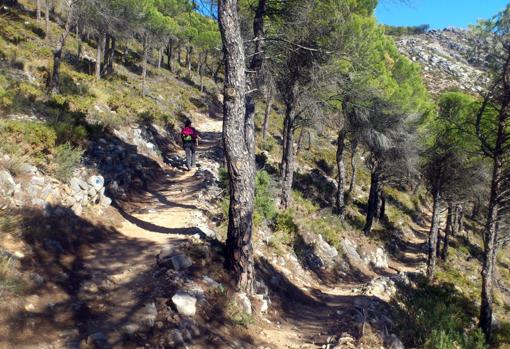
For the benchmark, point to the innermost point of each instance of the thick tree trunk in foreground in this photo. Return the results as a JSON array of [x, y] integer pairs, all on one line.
[[57, 54], [340, 191], [433, 235], [239, 149], [373, 200]]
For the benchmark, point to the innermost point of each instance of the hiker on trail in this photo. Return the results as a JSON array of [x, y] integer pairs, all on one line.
[[189, 136]]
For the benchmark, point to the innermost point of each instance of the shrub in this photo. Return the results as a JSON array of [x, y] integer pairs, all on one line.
[[265, 207], [66, 160], [237, 315], [285, 230]]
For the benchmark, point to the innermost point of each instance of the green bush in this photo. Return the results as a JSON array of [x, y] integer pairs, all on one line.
[[265, 207], [66, 160], [284, 232]]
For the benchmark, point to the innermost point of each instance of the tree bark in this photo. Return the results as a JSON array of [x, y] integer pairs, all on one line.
[[98, 57], [125, 54], [144, 64], [239, 149], [340, 191], [54, 86], [433, 235], [373, 200]]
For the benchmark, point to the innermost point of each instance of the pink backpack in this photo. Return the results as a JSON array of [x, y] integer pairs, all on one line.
[[188, 134]]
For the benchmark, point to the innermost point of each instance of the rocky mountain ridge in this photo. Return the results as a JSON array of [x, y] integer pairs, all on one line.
[[448, 58]]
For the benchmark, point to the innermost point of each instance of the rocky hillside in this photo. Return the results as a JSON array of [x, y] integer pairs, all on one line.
[[448, 58]]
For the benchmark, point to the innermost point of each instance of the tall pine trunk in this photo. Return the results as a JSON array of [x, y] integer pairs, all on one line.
[[189, 51], [433, 234], [340, 191], [239, 149], [160, 57], [373, 200], [57, 54]]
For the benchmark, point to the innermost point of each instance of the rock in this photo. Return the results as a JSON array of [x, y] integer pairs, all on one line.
[[98, 340], [378, 258], [7, 184], [28, 169], [90, 287], [78, 185], [180, 262], [148, 315], [131, 329], [393, 342], [105, 201], [97, 182], [38, 181], [210, 282], [243, 302], [185, 304]]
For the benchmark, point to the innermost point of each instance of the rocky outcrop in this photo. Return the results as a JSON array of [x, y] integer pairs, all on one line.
[[448, 58]]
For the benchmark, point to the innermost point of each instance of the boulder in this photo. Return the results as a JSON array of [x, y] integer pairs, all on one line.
[[38, 181], [78, 185], [185, 304]]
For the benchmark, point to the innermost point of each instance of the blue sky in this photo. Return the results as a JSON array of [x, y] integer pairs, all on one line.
[[437, 13]]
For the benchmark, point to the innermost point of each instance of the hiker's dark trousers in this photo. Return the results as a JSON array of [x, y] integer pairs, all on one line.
[[190, 149]]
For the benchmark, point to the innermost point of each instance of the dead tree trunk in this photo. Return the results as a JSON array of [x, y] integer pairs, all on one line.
[[340, 191], [433, 235], [239, 149], [54, 86], [160, 57]]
